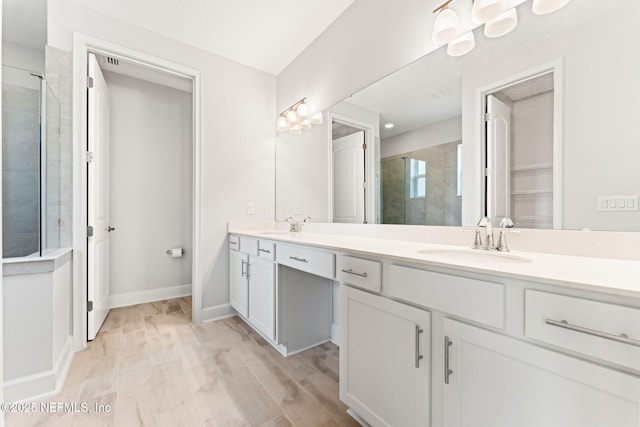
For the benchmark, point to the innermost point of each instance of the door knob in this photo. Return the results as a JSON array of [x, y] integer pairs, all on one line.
[[110, 229]]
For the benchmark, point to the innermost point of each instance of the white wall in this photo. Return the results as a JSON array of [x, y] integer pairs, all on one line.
[[600, 139], [238, 120], [438, 133], [150, 186]]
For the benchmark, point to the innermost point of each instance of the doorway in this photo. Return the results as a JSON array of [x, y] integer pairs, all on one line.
[[522, 146], [351, 172], [143, 152]]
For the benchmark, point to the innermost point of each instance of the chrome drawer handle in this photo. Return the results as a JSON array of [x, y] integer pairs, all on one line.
[[418, 355], [266, 251], [295, 258], [623, 338], [447, 370], [355, 273]]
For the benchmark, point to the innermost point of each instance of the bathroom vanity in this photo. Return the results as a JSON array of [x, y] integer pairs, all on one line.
[[442, 335]]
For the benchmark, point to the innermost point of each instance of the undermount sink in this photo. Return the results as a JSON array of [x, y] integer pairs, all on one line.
[[273, 232], [474, 255]]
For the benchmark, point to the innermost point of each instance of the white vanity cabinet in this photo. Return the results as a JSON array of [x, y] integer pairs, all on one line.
[[499, 381], [385, 359], [252, 282], [239, 282]]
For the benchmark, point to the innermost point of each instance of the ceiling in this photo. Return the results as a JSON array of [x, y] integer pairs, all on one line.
[[263, 34]]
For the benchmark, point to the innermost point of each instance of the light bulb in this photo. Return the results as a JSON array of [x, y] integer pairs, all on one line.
[[282, 124], [462, 45], [305, 124], [291, 116], [502, 25], [446, 27], [303, 111], [486, 10], [295, 129], [542, 7], [316, 119]]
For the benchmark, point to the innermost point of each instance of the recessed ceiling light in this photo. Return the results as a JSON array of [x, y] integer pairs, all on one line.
[[389, 126]]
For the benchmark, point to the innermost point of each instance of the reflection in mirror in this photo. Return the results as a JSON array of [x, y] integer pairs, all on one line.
[[568, 183]]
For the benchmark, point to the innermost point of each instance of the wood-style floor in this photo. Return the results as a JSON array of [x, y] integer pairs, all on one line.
[[155, 368]]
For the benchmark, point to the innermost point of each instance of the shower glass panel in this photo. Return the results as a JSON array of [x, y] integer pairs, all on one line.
[[422, 187], [30, 165]]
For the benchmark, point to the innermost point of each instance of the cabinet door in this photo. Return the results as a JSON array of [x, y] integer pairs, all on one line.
[[498, 381], [384, 359], [262, 296], [238, 283]]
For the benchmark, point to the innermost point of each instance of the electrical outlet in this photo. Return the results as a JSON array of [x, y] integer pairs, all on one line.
[[250, 209], [296, 208]]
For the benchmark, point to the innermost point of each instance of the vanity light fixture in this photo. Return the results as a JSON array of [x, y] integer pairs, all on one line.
[[297, 117], [497, 21], [503, 24], [446, 26]]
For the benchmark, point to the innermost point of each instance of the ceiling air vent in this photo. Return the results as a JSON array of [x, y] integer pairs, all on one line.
[[112, 61]]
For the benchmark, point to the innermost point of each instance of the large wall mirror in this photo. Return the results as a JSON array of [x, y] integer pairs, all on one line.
[[562, 87]]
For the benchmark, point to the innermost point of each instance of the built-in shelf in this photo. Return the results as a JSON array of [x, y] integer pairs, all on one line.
[[532, 167]]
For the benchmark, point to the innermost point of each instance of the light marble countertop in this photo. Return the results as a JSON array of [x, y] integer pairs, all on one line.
[[613, 276]]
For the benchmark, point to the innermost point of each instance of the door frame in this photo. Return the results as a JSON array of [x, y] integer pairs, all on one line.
[[480, 137], [370, 163], [82, 46]]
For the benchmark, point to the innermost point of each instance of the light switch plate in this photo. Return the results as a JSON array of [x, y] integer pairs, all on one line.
[[618, 203], [296, 208], [250, 209]]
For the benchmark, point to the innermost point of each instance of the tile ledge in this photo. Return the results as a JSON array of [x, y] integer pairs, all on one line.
[[36, 265]]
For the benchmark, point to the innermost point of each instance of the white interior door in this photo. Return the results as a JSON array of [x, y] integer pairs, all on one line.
[[498, 158], [349, 179], [98, 265]]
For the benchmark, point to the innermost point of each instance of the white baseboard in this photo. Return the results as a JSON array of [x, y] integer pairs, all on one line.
[[41, 385], [218, 312], [151, 295]]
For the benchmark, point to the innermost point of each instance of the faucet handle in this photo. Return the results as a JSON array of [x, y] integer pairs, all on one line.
[[307, 219], [289, 219], [484, 222], [506, 222]]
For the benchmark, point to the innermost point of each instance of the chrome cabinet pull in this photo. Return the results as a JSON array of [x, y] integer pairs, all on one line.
[[622, 338], [295, 258], [355, 273], [447, 370], [245, 272], [417, 348], [266, 251]]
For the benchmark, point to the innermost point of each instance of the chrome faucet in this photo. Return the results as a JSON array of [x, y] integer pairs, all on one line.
[[487, 242], [294, 226]]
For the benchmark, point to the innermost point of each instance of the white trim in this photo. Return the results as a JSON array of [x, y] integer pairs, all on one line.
[[218, 312], [370, 162], [555, 66], [43, 384], [149, 295], [82, 45], [335, 334]]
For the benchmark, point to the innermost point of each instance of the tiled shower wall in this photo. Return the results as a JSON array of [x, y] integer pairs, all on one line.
[[59, 65], [441, 205], [20, 170]]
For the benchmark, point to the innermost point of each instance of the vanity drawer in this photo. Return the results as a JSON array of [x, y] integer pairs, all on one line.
[[267, 250], [314, 262], [585, 326], [362, 273], [249, 246], [472, 299], [234, 243]]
